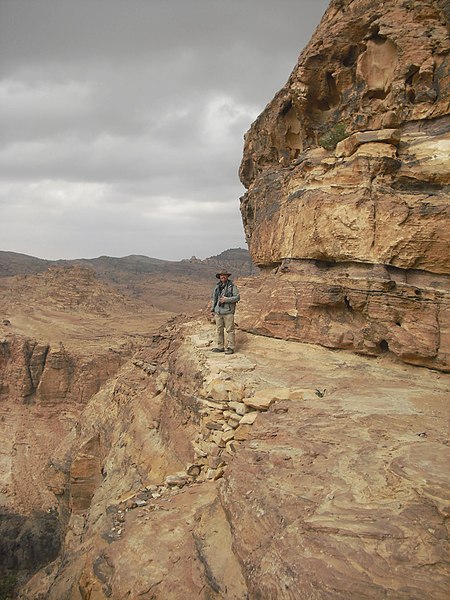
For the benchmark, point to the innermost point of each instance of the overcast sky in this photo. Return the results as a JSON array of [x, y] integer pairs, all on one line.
[[122, 121]]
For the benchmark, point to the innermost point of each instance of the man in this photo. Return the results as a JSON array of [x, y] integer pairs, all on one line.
[[224, 298]]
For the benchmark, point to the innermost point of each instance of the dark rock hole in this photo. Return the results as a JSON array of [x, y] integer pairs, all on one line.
[[411, 95], [384, 346], [413, 69], [324, 264], [376, 94], [350, 56], [286, 108]]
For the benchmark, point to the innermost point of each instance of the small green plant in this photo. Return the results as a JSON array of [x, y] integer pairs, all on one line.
[[329, 139], [7, 584]]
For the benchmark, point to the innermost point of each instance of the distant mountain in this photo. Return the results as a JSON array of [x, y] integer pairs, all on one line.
[[13, 263], [236, 260], [177, 286]]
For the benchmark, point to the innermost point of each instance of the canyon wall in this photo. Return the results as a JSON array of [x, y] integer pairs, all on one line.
[[37, 372], [43, 390], [348, 173], [63, 334], [140, 518]]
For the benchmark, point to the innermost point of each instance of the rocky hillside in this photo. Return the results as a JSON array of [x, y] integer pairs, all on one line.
[[183, 286], [67, 289], [312, 464], [348, 175]]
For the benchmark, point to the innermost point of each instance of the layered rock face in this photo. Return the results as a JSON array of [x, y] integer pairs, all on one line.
[[347, 171]]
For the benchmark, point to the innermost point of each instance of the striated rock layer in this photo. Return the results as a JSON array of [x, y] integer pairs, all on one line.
[[369, 309], [349, 166]]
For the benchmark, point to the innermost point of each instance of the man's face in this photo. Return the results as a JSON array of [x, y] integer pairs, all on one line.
[[223, 278]]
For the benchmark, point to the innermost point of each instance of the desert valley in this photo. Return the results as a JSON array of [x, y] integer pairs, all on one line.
[[312, 464]]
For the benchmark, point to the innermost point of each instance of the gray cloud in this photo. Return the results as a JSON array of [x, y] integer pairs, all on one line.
[[124, 119]]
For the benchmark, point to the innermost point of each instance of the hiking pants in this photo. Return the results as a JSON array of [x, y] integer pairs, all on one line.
[[225, 322]]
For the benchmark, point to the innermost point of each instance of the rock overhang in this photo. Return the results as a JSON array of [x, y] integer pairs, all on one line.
[[349, 164]]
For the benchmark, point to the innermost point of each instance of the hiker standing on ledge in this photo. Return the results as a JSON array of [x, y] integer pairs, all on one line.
[[224, 298]]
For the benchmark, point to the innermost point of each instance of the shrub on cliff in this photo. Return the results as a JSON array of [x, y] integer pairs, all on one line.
[[334, 135]]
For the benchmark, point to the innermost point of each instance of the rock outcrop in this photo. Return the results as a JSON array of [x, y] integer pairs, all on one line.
[[63, 335], [36, 372], [347, 171], [194, 474]]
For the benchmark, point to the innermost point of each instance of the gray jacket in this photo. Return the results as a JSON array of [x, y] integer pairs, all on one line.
[[231, 292]]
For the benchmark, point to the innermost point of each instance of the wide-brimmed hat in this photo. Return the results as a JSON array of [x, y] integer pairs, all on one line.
[[223, 273]]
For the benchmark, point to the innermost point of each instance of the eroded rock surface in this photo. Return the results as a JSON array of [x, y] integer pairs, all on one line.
[[349, 164], [222, 477], [63, 334], [370, 309]]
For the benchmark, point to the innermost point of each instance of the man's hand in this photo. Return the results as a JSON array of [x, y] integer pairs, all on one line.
[[222, 299]]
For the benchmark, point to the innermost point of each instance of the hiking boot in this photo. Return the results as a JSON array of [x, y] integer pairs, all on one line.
[[229, 351], [217, 350]]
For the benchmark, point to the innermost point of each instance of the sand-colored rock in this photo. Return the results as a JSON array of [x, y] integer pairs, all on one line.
[[347, 524], [387, 206], [348, 168], [347, 462], [238, 407], [364, 69], [372, 310], [349, 145], [263, 399], [85, 474], [249, 418]]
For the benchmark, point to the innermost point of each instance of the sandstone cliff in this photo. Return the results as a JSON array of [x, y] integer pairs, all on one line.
[[347, 171]]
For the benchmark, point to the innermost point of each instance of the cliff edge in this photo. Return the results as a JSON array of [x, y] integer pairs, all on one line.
[[197, 475]]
